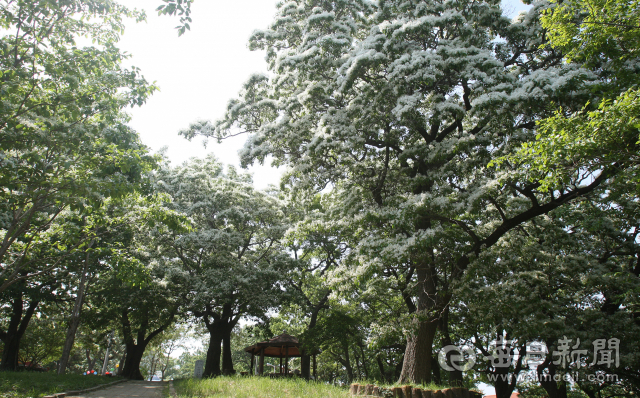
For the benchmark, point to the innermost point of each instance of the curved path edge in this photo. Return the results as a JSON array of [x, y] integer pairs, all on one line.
[[91, 389]]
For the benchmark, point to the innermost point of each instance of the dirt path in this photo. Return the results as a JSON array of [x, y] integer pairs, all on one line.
[[140, 389]]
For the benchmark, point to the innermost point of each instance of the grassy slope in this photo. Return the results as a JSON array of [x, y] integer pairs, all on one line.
[[256, 387], [33, 384]]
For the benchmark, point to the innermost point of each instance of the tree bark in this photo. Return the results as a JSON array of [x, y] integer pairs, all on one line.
[[398, 369], [416, 367], [74, 320], [383, 374], [356, 359], [227, 359], [305, 359], [220, 329], [305, 365], [135, 349], [212, 363], [553, 388], [132, 362], [91, 363], [121, 363], [455, 376], [435, 370], [17, 326], [364, 363], [153, 367], [347, 362]]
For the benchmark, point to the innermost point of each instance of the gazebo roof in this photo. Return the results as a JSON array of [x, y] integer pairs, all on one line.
[[280, 346]]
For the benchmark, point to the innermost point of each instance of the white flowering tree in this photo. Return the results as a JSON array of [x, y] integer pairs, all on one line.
[[232, 261], [400, 106]]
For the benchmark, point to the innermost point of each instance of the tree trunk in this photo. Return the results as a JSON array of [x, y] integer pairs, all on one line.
[[212, 363], [383, 374], [305, 365], [455, 375], [90, 362], [364, 363], [163, 369], [10, 354], [347, 362], [357, 361], [132, 362], [547, 381], [435, 370], [227, 359], [153, 367], [416, 367], [15, 331], [417, 359], [398, 369], [305, 359], [121, 364], [74, 321], [105, 363], [135, 348], [502, 384]]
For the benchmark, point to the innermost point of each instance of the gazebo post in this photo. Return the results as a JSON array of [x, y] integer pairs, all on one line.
[[277, 347], [315, 376], [286, 360], [261, 364]]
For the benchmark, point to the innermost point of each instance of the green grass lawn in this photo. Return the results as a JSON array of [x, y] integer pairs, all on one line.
[[256, 387], [35, 384]]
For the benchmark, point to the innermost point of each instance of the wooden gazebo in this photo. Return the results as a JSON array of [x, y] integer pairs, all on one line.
[[283, 346]]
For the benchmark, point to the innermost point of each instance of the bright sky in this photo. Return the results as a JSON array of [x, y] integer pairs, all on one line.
[[200, 71], [197, 73]]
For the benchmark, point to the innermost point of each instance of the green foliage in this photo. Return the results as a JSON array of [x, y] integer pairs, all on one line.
[[65, 143], [399, 107], [231, 256], [182, 8], [42, 343], [603, 137], [186, 364], [587, 142], [533, 390], [594, 32]]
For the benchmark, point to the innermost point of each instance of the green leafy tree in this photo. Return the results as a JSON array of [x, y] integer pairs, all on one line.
[[64, 141], [115, 229], [602, 136], [43, 340], [18, 306]]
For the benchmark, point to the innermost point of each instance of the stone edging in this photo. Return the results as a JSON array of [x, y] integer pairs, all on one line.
[[76, 392], [370, 390]]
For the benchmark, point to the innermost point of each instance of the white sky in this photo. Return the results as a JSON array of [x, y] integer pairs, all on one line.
[[197, 73]]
